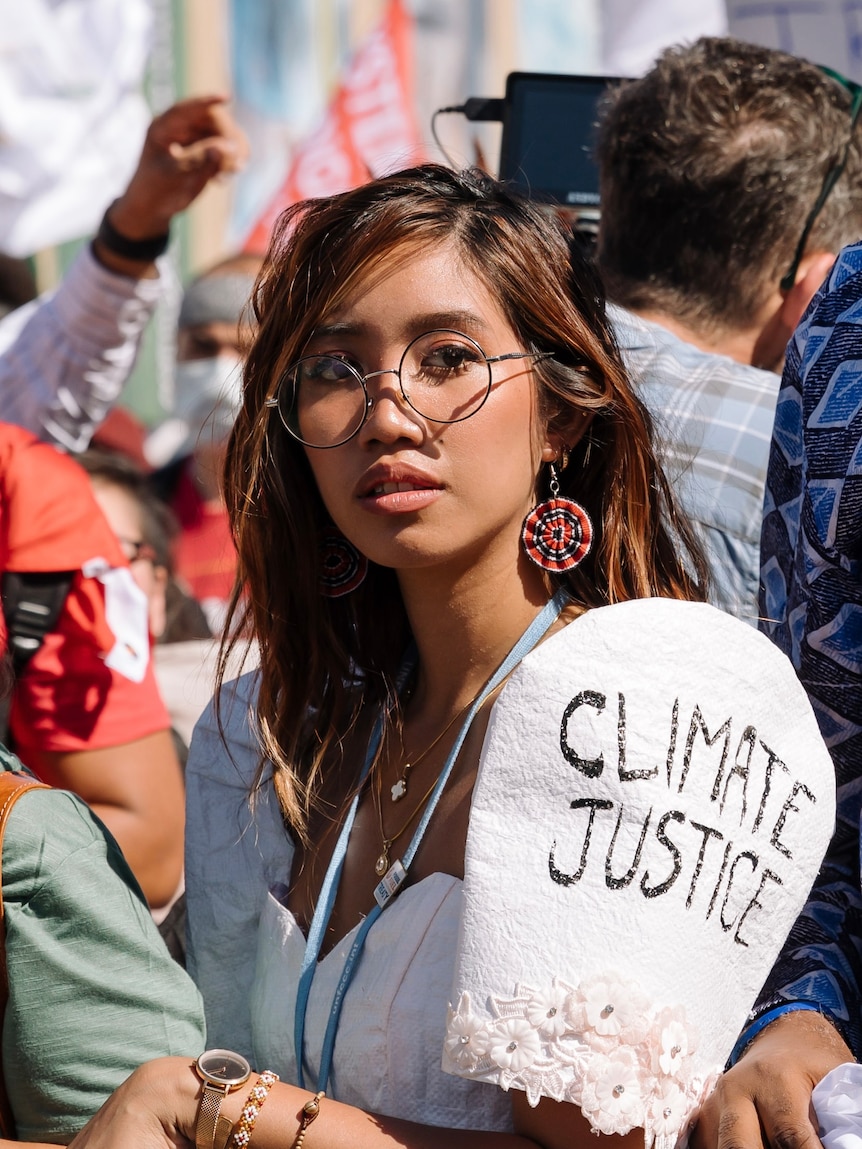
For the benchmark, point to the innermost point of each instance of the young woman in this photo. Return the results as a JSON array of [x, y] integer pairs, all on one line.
[[431, 362]]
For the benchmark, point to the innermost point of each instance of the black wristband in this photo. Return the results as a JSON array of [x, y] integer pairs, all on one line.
[[142, 250]]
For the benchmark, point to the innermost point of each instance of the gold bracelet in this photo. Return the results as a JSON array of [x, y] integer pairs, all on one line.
[[309, 1111], [242, 1133]]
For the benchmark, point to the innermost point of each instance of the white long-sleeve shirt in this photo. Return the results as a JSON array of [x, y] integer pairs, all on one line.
[[65, 357]]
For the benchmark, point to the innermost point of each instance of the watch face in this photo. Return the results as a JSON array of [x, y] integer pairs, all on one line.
[[223, 1067]]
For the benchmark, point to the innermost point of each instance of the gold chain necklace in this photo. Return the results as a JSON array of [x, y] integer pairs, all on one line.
[[382, 863], [381, 866], [399, 789]]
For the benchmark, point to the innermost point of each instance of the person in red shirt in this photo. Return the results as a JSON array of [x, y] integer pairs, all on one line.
[[86, 714]]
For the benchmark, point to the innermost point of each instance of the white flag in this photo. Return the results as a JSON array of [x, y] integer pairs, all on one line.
[[72, 115]]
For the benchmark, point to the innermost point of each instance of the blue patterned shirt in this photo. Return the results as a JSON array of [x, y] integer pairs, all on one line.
[[811, 603]]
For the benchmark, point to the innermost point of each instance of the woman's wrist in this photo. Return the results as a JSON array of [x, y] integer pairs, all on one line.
[[753, 1030], [790, 1031], [129, 243], [178, 1088]]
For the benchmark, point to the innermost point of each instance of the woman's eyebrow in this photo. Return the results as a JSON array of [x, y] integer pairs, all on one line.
[[330, 330], [455, 320], [415, 325]]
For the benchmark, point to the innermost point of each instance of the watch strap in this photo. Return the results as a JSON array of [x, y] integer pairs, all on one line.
[[223, 1130], [208, 1115]]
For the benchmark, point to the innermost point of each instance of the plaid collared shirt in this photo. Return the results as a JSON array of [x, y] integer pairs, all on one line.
[[713, 421]]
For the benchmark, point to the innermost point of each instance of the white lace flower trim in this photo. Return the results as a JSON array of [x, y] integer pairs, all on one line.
[[599, 1044]]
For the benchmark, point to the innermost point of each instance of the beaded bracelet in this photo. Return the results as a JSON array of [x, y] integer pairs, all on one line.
[[309, 1111], [242, 1133]]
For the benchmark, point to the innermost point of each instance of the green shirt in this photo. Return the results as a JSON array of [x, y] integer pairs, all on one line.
[[93, 991]]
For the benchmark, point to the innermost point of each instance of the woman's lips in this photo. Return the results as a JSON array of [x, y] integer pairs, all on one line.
[[392, 488], [388, 495]]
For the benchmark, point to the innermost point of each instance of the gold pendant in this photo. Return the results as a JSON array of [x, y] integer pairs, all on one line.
[[382, 863]]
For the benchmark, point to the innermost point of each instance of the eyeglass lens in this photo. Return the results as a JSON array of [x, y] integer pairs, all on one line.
[[445, 376], [135, 549]]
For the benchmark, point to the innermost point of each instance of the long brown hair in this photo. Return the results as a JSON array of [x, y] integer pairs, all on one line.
[[324, 661]]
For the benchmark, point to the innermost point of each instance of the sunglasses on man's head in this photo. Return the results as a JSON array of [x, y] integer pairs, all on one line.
[[831, 177]]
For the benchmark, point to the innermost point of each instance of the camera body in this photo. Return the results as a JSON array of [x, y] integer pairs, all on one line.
[[548, 143]]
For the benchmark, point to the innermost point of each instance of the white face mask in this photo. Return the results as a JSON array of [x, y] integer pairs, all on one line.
[[208, 396], [202, 384]]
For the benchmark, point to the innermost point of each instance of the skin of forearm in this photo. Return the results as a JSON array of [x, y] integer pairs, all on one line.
[[4, 1144], [137, 789], [156, 865], [157, 1106], [345, 1127]]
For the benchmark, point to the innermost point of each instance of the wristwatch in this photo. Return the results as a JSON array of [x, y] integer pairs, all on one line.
[[221, 1072]]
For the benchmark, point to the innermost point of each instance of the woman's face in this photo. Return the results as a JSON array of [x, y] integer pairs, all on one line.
[[408, 492]]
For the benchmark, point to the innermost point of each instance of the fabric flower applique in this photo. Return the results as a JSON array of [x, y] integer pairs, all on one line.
[[612, 1092], [672, 1042], [668, 1108], [599, 1045], [514, 1044], [546, 1011], [609, 1012], [466, 1035]]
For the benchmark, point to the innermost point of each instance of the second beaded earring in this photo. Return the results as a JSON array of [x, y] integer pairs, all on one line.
[[558, 533], [342, 567]]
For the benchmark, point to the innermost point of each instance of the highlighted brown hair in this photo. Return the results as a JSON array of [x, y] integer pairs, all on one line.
[[315, 651]]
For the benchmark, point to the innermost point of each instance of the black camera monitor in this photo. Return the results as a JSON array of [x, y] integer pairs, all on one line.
[[549, 125]]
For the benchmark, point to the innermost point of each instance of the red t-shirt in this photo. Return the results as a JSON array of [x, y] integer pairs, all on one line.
[[204, 553], [67, 698]]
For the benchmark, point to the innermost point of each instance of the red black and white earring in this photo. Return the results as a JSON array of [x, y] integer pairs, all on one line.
[[342, 567], [557, 534]]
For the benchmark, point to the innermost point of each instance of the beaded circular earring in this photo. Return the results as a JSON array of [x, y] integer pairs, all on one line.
[[558, 533], [342, 567]]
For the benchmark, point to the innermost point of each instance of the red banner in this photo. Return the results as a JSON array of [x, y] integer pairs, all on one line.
[[370, 126]]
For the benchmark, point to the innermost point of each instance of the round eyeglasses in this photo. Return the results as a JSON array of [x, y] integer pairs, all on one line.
[[444, 375], [136, 550]]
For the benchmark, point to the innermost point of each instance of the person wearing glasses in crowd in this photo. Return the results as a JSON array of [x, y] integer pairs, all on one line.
[[715, 232], [439, 461], [85, 712]]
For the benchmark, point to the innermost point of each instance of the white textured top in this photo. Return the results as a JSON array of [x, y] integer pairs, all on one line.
[[392, 1025], [387, 1056]]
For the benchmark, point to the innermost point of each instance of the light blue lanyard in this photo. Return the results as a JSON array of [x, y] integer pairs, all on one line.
[[329, 890]]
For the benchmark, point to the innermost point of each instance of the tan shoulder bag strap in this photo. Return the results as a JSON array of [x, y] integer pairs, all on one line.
[[12, 786]]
